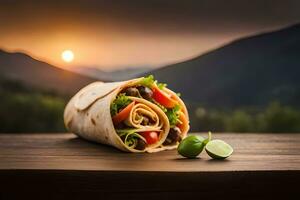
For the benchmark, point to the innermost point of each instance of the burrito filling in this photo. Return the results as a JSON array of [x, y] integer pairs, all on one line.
[[139, 125]]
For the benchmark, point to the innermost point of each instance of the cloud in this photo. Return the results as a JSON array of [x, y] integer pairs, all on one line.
[[163, 16]]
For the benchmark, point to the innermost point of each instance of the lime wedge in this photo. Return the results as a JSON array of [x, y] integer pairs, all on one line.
[[218, 149]]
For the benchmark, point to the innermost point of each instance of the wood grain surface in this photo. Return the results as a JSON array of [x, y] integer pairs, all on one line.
[[62, 166], [252, 152]]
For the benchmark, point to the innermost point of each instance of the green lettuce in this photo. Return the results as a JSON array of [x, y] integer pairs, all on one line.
[[131, 137], [173, 115], [161, 85], [120, 102], [149, 81]]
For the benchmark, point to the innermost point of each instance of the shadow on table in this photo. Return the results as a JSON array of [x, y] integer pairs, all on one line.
[[80, 143], [187, 159]]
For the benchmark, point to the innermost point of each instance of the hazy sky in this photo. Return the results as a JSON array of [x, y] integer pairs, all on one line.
[[118, 33]]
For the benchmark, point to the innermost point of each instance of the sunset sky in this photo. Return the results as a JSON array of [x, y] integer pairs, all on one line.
[[119, 34]]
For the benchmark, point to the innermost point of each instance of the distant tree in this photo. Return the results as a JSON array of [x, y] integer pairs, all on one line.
[[31, 113], [280, 118], [239, 121], [275, 118], [24, 109], [212, 120]]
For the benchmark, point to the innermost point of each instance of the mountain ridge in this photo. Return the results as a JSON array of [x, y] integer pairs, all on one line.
[[221, 77], [39, 74]]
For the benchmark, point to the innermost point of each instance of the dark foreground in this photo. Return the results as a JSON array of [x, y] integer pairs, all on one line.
[[62, 166]]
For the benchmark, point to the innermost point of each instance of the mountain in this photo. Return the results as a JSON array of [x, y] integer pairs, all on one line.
[[41, 75], [117, 75], [247, 72]]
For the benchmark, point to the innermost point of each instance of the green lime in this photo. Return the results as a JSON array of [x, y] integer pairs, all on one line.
[[191, 146], [218, 149]]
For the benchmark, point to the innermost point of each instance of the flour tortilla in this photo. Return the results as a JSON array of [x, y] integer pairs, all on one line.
[[140, 109], [88, 115]]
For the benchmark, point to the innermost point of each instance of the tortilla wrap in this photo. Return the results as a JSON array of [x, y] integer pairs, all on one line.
[[88, 116]]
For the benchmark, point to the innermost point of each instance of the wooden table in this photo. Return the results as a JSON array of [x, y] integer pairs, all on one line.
[[60, 165]]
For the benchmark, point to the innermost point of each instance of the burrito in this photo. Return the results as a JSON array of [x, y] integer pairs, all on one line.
[[138, 115]]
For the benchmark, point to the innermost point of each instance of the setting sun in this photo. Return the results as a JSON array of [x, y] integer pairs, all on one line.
[[67, 56]]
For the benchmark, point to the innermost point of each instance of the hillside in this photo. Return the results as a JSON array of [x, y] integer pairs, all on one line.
[[37, 74], [248, 72]]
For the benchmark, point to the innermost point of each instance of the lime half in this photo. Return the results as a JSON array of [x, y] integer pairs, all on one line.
[[218, 149]]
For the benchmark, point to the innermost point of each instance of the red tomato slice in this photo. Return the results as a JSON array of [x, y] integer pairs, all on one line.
[[163, 98], [123, 114], [150, 136]]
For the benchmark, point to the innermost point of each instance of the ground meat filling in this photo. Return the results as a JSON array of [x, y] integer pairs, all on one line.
[[141, 144], [173, 136]]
